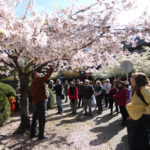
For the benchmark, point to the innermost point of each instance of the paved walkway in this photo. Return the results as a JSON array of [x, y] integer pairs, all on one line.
[[70, 132]]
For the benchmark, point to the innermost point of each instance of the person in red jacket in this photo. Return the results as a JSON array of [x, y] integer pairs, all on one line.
[[122, 102], [73, 96], [113, 98], [12, 102], [38, 93]]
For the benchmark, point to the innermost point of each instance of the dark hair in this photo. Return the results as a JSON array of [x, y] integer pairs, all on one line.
[[32, 75], [141, 80], [115, 84]]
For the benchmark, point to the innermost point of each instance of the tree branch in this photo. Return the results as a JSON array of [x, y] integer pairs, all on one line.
[[39, 68], [29, 64], [29, 3], [84, 9], [15, 59], [8, 64], [89, 43]]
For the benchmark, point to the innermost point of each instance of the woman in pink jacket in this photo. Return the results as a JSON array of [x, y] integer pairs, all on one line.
[[73, 96]]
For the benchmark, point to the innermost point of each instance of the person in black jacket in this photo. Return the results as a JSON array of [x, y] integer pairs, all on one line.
[[58, 92], [98, 92], [80, 94], [87, 94]]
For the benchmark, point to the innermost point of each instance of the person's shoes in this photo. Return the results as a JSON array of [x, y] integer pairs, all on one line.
[[43, 137], [99, 112], [58, 113], [123, 124], [85, 114], [33, 136], [90, 114]]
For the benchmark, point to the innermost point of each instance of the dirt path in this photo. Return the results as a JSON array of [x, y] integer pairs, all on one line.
[[70, 132]]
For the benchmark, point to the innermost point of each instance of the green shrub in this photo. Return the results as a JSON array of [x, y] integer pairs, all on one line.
[[51, 99], [7, 90], [4, 108]]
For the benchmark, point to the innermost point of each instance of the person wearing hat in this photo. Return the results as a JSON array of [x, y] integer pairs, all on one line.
[[122, 102]]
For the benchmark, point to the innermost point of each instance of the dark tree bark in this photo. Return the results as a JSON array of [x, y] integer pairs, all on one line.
[[24, 104], [24, 75]]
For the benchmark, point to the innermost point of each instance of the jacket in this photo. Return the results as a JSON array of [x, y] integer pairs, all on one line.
[[136, 108], [87, 92], [98, 91], [37, 88], [122, 97], [58, 89], [75, 94], [113, 94]]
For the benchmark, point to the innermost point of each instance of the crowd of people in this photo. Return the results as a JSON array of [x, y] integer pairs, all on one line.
[[103, 94], [132, 101]]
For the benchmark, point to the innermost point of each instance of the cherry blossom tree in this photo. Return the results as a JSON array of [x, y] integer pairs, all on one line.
[[73, 38], [140, 61]]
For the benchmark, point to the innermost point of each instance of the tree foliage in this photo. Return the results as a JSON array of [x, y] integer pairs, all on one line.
[[4, 108]]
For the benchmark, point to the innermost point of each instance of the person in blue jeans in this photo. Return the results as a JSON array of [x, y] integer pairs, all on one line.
[[58, 92]]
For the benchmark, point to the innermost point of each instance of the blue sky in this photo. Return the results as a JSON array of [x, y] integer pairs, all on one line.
[[48, 5], [123, 18]]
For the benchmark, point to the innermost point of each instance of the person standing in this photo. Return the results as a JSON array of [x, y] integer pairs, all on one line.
[[122, 102], [128, 90], [87, 94], [73, 96], [98, 92], [38, 94], [51, 85], [66, 86], [58, 92], [107, 88], [80, 94], [113, 98], [47, 95], [139, 113]]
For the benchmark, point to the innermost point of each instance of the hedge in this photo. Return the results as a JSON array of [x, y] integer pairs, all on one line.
[[7, 90], [4, 108]]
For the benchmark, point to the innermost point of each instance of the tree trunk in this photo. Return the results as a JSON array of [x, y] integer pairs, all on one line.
[[25, 120]]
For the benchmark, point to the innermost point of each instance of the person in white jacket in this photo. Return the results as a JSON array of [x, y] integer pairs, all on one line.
[[107, 87]]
